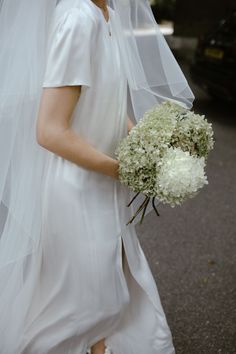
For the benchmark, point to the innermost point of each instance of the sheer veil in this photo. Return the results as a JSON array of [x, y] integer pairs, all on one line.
[[153, 76], [152, 71], [24, 28]]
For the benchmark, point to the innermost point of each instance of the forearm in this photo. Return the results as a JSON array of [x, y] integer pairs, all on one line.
[[69, 145]]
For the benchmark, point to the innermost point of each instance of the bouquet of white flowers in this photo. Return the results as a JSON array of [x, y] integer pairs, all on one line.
[[164, 155]]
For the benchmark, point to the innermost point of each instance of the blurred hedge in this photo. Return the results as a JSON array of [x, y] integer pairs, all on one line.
[[163, 9]]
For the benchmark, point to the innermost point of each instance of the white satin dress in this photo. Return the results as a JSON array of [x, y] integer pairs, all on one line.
[[83, 292]]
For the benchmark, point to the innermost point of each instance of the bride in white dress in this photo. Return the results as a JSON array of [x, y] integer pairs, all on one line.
[[83, 293], [93, 288]]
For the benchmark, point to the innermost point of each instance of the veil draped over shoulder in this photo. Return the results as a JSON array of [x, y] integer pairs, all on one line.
[[153, 76]]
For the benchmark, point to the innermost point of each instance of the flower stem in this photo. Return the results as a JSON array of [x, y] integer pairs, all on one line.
[[132, 199], [144, 209], [154, 207], [138, 210]]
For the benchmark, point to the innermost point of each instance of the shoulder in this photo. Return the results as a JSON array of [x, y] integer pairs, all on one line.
[[69, 17]]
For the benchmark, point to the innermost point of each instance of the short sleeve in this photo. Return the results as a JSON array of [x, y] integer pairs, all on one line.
[[68, 60]]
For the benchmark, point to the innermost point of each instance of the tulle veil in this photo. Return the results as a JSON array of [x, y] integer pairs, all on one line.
[[153, 76]]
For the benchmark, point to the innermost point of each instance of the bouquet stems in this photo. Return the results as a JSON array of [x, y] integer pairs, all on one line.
[[142, 207]]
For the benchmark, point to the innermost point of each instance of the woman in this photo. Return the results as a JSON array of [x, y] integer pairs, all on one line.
[[85, 284]]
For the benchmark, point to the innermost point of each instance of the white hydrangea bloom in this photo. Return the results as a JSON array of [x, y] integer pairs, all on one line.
[[180, 176]]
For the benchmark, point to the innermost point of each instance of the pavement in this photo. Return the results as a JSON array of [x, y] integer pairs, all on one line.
[[191, 249]]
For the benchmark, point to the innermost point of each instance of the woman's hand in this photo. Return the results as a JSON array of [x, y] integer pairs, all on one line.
[[115, 170]]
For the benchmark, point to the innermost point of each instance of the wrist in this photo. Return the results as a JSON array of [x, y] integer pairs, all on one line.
[[113, 168]]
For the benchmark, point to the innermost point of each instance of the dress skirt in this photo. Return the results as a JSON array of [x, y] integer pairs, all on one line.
[[85, 289]]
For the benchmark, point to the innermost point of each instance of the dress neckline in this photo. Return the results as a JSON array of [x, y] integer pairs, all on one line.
[[100, 11]]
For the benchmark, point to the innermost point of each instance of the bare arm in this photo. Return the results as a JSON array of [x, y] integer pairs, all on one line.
[[130, 123], [54, 132]]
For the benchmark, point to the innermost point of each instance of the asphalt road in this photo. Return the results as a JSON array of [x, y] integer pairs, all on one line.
[[192, 249]]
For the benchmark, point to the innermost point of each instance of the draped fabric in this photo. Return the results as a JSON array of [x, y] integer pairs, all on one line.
[[40, 44]]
